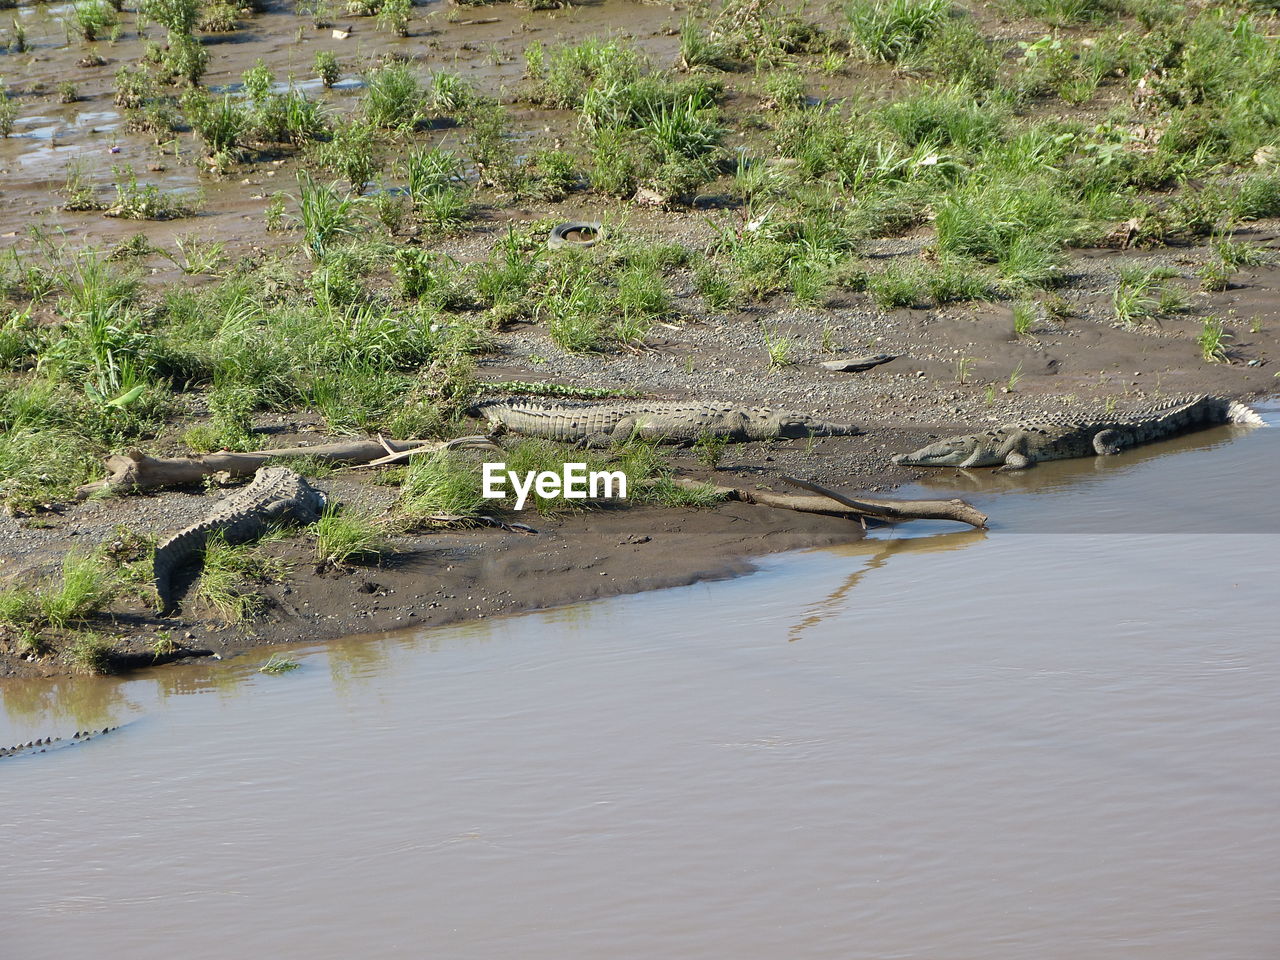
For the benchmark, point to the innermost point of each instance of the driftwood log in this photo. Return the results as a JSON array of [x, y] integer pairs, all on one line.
[[834, 504], [138, 471]]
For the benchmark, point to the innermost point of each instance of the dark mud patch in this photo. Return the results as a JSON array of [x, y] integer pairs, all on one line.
[[450, 576]]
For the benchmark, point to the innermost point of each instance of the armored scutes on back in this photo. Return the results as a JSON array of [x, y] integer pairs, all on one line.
[[1016, 446], [45, 744], [667, 421], [275, 495]]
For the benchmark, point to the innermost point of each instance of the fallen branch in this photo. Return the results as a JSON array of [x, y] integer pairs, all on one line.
[[138, 471], [836, 505], [896, 510]]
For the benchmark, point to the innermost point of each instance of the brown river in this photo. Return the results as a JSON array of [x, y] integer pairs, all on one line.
[[1059, 739]]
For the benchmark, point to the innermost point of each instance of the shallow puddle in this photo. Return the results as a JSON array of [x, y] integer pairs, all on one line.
[[1056, 744]]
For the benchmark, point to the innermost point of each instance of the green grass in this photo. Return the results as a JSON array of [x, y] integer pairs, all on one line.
[[65, 605], [394, 98], [177, 16], [228, 575], [351, 153], [94, 19], [342, 536], [86, 587], [135, 201], [326, 214], [327, 68], [1141, 295], [1024, 318], [1213, 340], [279, 663], [888, 30], [441, 483], [781, 349], [90, 653]]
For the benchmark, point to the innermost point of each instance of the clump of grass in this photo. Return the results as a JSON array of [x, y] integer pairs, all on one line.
[[227, 573], [220, 16], [709, 449], [889, 29], [1141, 295], [79, 192], [440, 483], [135, 201], [780, 348], [1213, 340], [1024, 318], [17, 43], [179, 17], [325, 213], [343, 536], [538, 456], [327, 68], [85, 589], [185, 59], [90, 653], [94, 18], [394, 15], [699, 50], [896, 286], [351, 153], [20, 607], [650, 479], [278, 663], [8, 113], [393, 97]]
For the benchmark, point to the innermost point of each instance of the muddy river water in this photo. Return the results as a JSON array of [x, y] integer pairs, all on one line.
[[1057, 739]]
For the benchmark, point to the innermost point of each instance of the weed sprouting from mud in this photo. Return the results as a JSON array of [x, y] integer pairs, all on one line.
[[343, 536]]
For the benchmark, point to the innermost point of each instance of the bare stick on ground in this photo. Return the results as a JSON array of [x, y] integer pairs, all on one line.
[[833, 504], [138, 471]]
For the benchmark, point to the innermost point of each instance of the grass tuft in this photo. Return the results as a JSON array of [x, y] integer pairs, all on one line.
[[342, 537]]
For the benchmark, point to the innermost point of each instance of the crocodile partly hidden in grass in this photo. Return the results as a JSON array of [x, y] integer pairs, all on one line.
[[45, 744], [666, 421], [275, 495], [1016, 446]]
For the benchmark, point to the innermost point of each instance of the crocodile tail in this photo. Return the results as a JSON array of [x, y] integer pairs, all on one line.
[[1238, 412], [480, 409]]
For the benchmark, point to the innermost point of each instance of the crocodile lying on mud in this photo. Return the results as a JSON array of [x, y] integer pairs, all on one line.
[[669, 421], [53, 743], [275, 495], [1016, 446]]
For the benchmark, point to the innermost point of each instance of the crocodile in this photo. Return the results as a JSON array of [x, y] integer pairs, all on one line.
[[275, 495], [1016, 446], [671, 421], [45, 744]]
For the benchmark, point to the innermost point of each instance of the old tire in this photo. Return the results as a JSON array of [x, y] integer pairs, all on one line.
[[577, 235]]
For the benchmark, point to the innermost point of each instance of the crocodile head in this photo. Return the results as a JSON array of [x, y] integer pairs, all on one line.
[[953, 452], [798, 426]]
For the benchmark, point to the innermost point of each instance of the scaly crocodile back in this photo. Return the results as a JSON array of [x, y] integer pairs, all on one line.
[[45, 744], [1064, 438], [674, 420], [275, 495]]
